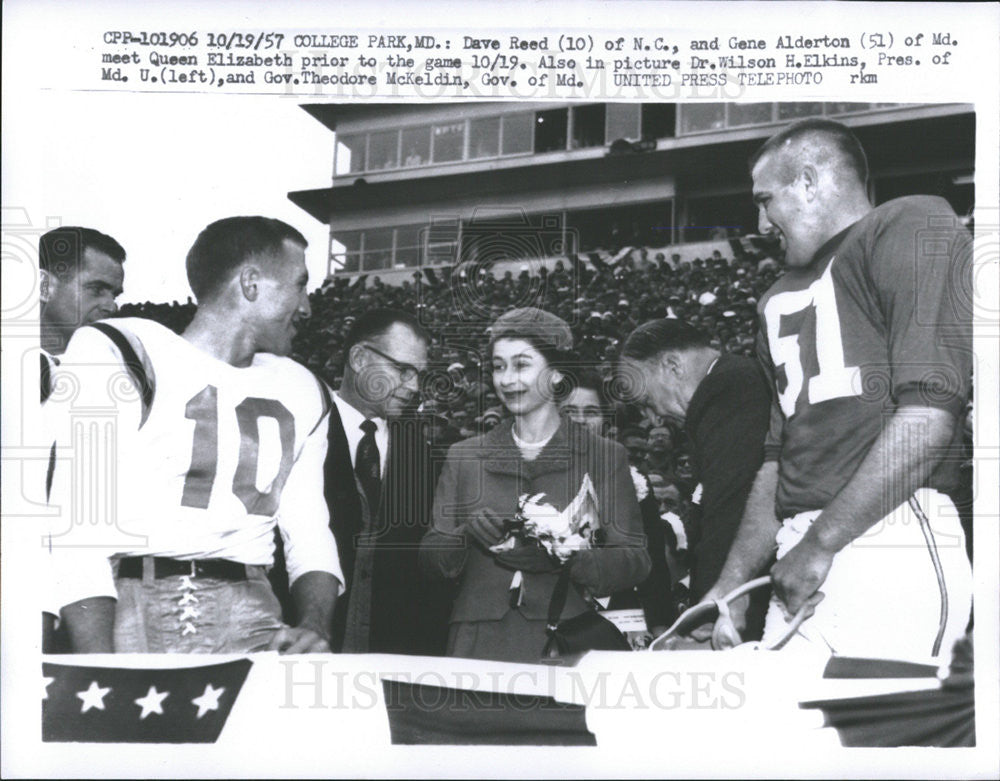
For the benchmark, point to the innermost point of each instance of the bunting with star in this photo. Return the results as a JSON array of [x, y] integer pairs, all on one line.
[[117, 705]]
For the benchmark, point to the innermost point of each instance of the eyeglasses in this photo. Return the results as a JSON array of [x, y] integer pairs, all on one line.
[[407, 371]]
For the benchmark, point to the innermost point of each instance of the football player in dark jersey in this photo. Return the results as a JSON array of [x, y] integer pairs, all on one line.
[[867, 340]]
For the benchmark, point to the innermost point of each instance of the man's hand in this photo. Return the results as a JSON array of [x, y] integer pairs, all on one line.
[[486, 528], [736, 622], [315, 594], [90, 624], [299, 640], [798, 575]]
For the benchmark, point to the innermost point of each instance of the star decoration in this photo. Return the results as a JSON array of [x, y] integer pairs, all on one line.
[[189, 612], [187, 598], [45, 686], [209, 700], [152, 702], [93, 697], [189, 629], [186, 584]]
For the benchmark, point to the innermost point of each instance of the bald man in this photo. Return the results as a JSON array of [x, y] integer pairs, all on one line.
[[867, 341]]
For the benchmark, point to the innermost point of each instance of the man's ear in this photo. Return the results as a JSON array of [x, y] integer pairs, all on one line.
[[672, 363], [810, 180], [250, 282], [46, 285], [357, 357]]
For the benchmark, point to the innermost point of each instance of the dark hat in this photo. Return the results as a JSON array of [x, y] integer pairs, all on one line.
[[529, 321]]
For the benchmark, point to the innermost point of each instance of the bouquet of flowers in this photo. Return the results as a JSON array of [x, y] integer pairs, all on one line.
[[560, 533]]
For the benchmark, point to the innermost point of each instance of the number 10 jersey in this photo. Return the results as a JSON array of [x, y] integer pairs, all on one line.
[[205, 469]]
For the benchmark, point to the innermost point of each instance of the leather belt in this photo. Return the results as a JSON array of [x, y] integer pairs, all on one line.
[[163, 567]]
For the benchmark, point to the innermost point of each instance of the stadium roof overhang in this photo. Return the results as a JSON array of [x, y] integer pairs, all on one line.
[[363, 196], [332, 114], [692, 162]]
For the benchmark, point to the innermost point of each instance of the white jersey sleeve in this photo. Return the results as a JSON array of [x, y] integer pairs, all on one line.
[[303, 517], [95, 409]]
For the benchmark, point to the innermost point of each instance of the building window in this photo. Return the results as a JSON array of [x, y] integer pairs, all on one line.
[[702, 117], [659, 120], [847, 108], [797, 110], [449, 142], [416, 146], [443, 236], [622, 122], [588, 126], [614, 227], [484, 137], [750, 114], [349, 258], [720, 217], [378, 250], [550, 130], [516, 130], [408, 246], [383, 150], [351, 154]]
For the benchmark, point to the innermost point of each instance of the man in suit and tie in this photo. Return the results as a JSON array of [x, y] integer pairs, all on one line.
[[81, 276], [379, 482]]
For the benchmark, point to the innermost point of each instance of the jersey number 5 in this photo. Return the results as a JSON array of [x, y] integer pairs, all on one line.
[[819, 366], [203, 409]]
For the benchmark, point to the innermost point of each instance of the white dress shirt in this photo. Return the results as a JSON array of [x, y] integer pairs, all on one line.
[[352, 420]]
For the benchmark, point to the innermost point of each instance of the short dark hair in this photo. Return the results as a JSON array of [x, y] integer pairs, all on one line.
[[659, 336], [836, 135], [225, 244], [376, 322], [588, 379], [60, 250]]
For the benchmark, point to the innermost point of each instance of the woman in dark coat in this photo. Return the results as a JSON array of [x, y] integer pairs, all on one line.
[[503, 598]]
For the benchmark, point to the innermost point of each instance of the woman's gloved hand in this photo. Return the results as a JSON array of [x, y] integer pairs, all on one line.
[[485, 528]]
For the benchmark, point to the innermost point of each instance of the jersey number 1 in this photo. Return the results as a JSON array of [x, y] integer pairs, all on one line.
[[203, 409]]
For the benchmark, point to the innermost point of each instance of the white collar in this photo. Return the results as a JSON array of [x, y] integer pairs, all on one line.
[[352, 417]]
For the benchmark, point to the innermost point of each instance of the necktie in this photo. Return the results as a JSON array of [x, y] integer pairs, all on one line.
[[367, 465]]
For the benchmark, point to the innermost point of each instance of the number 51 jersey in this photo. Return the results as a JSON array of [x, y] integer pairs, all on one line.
[[203, 466], [880, 318]]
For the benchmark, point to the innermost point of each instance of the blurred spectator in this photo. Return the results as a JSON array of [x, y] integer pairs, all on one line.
[[637, 446], [587, 403]]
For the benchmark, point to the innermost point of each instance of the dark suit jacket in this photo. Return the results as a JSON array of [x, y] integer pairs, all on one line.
[[725, 424], [387, 607], [653, 594], [488, 471]]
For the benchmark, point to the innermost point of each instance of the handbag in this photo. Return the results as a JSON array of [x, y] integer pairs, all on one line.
[[589, 631]]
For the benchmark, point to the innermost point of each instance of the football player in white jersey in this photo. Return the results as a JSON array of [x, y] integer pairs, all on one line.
[[180, 454]]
